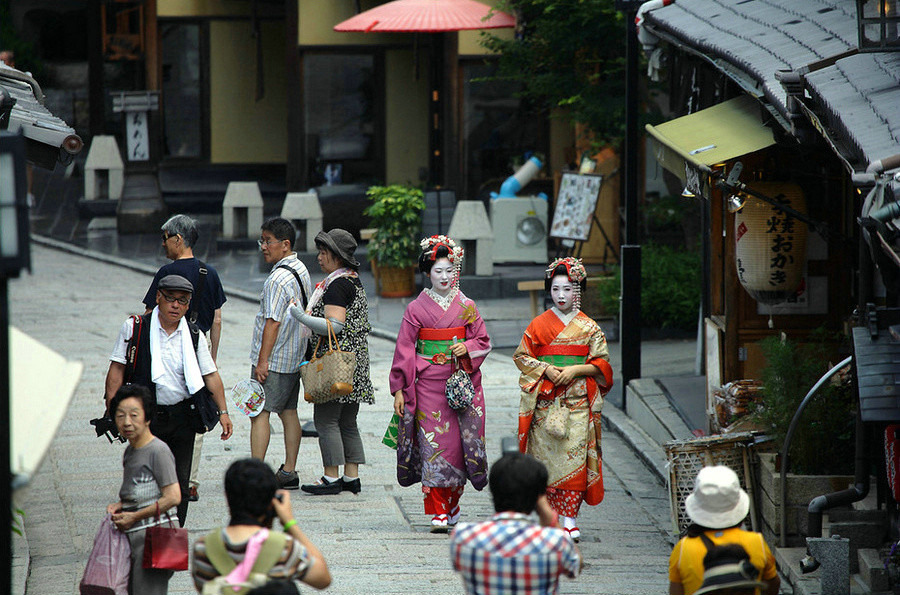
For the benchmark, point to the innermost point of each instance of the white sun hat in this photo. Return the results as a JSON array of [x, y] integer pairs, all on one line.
[[718, 501]]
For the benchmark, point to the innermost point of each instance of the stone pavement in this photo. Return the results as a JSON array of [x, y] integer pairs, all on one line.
[[376, 542]]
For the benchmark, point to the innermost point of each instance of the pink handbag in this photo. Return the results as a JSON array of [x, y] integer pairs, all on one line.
[[109, 565]]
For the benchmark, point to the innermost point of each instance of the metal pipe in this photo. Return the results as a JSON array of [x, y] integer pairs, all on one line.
[[855, 493], [785, 449]]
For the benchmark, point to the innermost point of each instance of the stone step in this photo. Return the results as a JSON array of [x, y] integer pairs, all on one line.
[[872, 571]]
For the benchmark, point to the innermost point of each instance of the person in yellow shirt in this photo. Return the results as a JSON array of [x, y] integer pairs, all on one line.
[[717, 507]]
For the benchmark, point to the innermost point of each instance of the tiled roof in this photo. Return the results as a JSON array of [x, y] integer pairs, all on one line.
[[31, 117], [858, 95]]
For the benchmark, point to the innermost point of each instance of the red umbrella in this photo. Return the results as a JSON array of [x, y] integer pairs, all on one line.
[[426, 16]]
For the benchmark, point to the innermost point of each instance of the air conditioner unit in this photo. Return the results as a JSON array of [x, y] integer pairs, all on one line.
[[520, 229]]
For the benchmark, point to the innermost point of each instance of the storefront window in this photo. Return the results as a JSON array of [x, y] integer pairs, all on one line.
[[498, 130], [182, 78], [342, 143]]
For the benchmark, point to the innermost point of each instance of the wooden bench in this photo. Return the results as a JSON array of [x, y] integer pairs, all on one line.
[[534, 289]]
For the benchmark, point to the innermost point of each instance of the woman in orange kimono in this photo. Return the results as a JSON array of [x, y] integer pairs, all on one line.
[[565, 373]]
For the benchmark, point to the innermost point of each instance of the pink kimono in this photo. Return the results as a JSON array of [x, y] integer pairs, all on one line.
[[437, 445]]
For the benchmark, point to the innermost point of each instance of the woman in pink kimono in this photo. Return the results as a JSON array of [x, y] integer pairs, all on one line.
[[565, 373], [441, 332]]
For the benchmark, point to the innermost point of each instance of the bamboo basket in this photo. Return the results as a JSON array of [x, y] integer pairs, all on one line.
[[686, 458]]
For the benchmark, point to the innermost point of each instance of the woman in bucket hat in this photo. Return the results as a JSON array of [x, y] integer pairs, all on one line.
[[717, 507], [340, 298]]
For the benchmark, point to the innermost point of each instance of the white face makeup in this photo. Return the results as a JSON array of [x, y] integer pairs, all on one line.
[[562, 292], [441, 276]]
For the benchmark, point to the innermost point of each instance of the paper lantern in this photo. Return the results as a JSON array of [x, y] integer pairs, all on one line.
[[770, 245]]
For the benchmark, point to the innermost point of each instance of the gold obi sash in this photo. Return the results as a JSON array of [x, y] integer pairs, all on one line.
[[563, 355], [434, 343]]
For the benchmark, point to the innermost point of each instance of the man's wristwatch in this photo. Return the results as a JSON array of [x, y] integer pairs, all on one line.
[[223, 412]]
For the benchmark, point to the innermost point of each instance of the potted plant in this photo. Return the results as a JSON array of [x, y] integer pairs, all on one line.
[[822, 448], [396, 213]]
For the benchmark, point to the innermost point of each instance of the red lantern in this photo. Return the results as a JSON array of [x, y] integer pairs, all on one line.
[[770, 245]]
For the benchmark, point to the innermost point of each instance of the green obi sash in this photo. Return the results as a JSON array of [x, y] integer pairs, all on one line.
[[434, 343]]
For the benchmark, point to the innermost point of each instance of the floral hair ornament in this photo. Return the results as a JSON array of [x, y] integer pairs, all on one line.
[[574, 268], [455, 253], [574, 271]]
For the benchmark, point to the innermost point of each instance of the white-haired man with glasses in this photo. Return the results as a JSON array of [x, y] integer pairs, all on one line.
[[172, 359], [179, 236]]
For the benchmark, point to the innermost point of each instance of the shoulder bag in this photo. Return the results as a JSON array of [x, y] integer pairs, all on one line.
[[165, 548], [329, 376]]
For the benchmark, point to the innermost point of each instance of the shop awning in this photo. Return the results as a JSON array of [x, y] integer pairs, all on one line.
[[714, 135]]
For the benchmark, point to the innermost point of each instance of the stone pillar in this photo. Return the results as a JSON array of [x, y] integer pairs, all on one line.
[[242, 210], [304, 211], [833, 553], [104, 171], [471, 227]]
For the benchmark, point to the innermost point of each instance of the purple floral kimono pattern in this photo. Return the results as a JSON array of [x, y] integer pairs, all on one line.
[[435, 444]]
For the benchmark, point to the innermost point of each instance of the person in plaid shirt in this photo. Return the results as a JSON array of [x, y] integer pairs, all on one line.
[[509, 553]]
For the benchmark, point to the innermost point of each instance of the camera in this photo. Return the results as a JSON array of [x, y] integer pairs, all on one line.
[[106, 426]]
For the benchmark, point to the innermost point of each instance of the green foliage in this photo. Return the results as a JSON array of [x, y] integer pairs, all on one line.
[[571, 55], [670, 288], [823, 440], [396, 212], [665, 212], [18, 519]]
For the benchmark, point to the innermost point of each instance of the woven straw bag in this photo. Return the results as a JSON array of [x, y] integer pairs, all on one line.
[[329, 376]]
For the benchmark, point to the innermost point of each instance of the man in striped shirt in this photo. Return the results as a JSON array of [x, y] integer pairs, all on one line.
[[277, 346], [509, 553]]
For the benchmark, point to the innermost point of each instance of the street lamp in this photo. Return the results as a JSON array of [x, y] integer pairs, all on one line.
[[14, 256], [14, 253], [630, 307], [878, 24]]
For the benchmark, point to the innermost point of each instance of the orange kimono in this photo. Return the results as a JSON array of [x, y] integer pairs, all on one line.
[[573, 462]]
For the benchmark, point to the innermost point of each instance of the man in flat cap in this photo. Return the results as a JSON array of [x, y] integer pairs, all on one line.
[[171, 358]]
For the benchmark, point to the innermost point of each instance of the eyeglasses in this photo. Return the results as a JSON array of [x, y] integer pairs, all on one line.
[[166, 236], [267, 242], [184, 301]]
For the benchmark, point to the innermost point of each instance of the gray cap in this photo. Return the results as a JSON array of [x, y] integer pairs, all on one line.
[[176, 283]]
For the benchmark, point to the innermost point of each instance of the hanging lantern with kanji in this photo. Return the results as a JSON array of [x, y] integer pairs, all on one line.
[[770, 245]]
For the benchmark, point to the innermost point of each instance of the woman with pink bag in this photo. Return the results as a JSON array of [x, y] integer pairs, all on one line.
[[149, 484]]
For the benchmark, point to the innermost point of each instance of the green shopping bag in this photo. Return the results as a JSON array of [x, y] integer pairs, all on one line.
[[390, 435]]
